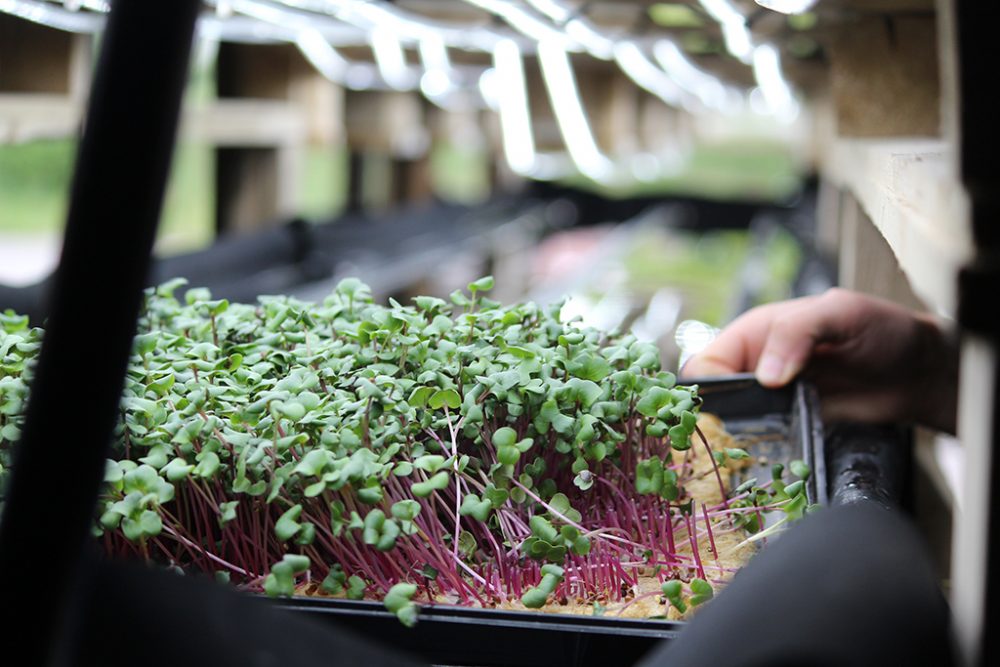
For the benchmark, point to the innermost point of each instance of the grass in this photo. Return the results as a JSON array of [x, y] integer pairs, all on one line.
[[188, 220], [460, 174], [707, 268], [756, 171], [323, 188], [35, 182]]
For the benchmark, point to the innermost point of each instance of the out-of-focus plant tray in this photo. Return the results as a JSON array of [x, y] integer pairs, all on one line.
[[772, 425]]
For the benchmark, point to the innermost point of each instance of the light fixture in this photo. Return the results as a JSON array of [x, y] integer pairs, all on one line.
[[391, 59], [507, 89], [95, 5], [525, 22], [707, 88], [646, 75], [557, 73], [596, 44], [45, 14], [738, 41], [775, 90], [555, 10], [435, 83], [734, 28], [787, 6], [322, 55]]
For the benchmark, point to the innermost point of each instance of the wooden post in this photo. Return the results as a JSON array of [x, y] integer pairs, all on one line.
[[613, 104], [256, 185], [663, 130], [44, 79], [355, 181], [411, 180], [388, 140], [543, 118], [246, 188], [868, 264]]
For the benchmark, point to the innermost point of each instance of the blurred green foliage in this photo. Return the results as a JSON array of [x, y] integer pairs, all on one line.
[[707, 268], [34, 184], [35, 181], [753, 171]]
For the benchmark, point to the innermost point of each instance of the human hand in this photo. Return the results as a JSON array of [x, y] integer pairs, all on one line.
[[871, 360]]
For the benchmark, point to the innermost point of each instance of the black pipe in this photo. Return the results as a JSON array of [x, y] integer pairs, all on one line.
[[118, 184]]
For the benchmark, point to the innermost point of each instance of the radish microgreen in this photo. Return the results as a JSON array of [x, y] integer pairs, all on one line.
[[457, 451]]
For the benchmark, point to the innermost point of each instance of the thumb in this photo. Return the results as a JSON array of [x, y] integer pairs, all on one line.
[[703, 365], [792, 338]]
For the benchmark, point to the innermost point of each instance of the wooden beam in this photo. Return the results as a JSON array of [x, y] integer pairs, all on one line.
[[884, 76], [543, 119], [44, 79], [261, 71], [389, 139], [322, 103], [249, 123], [908, 189], [664, 130], [30, 116]]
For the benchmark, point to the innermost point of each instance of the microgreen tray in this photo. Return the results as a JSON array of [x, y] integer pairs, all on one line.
[[772, 425]]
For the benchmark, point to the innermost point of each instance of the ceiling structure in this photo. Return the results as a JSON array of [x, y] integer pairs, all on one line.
[[700, 57], [717, 36]]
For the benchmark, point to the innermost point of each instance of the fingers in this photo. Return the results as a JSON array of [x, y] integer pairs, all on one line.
[[776, 341], [871, 359], [796, 331], [737, 348]]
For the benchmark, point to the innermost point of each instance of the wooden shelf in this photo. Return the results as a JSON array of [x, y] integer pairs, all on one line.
[[908, 188], [30, 116], [264, 123]]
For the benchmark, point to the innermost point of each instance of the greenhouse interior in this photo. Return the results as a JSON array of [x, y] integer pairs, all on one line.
[[498, 333]]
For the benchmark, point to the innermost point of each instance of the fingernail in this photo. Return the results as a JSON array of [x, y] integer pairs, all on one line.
[[769, 369]]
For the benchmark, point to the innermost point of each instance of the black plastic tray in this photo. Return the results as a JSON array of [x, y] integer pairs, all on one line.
[[780, 425], [777, 424]]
